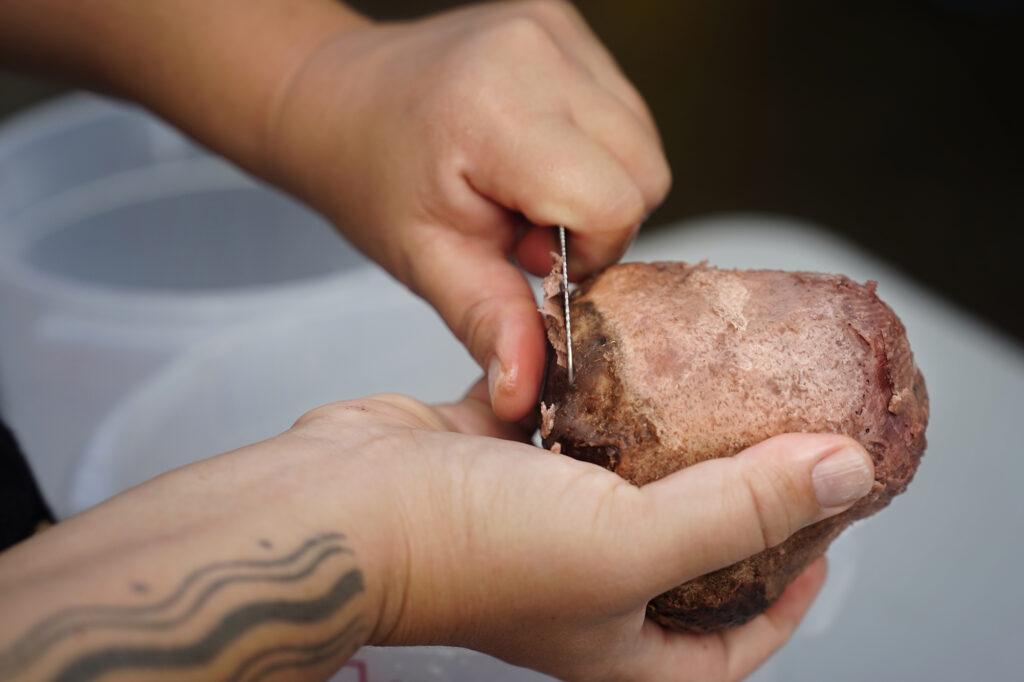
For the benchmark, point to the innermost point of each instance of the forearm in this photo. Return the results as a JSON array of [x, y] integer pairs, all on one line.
[[183, 575], [216, 69]]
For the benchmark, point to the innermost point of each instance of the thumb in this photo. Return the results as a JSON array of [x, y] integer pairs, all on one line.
[[731, 508], [488, 304]]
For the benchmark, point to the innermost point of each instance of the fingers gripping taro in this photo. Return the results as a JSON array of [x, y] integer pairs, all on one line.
[[678, 363]]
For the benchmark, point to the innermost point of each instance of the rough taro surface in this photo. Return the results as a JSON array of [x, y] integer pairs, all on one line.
[[679, 363]]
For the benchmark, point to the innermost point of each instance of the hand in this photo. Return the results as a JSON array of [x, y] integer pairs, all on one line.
[[384, 521], [548, 562], [441, 147]]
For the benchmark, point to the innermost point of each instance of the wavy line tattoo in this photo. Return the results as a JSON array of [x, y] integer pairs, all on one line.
[[309, 660], [71, 618], [132, 623], [232, 626], [185, 602], [258, 666]]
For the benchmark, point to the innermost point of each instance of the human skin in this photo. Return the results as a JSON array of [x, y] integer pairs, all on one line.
[[390, 522], [440, 147]]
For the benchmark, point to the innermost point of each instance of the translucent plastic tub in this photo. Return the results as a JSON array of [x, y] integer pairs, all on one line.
[[108, 276], [254, 381], [73, 141]]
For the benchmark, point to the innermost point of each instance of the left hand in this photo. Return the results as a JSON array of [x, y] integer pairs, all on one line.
[[384, 521], [548, 562]]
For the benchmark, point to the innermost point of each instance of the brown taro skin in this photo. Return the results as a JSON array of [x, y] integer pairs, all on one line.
[[679, 363]]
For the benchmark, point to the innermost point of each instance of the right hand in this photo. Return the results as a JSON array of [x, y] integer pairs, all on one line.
[[443, 146]]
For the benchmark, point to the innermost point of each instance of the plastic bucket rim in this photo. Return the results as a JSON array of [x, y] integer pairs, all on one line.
[[179, 177]]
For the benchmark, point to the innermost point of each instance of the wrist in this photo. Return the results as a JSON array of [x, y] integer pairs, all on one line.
[[307, 28], [328, 483], [242, 84], [264, 558], [314, 126]]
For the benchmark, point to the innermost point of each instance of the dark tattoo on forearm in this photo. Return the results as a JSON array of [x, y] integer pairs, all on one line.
[[312, 563], [164, 614], [267, 661]]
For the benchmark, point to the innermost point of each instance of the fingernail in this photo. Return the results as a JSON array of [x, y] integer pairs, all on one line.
[[842, 477], [494, 376]]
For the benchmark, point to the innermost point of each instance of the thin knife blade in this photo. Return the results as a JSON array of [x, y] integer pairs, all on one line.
[[565, 299]]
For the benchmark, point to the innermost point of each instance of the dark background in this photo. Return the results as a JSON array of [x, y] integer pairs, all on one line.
[[896, 124]]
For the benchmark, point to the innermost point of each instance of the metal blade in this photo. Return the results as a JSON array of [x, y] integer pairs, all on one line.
[[565, 298]]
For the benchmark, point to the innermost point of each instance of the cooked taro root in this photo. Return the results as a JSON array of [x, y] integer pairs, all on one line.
[[676, 363]]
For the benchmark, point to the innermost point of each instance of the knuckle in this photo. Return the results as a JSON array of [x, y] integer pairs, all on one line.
[[476, 322], [329, 412], [616, 500], [405, 411], [608, 508], [549, 8], [661, 182], [771, 495], [622, 210], [380, 409], [523, 31], [479, 76]]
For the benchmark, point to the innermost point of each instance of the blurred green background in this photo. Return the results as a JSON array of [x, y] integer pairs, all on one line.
[[895, 124]]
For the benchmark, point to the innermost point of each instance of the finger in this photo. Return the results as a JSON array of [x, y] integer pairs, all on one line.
[[748, 646], [731, 655], [471, 416], [728, 509], [559, 175], [395, 409], [488, 304], [474, 416], [534, 249], [605, 119]]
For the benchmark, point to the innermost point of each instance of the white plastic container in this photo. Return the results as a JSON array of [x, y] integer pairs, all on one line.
[[105, 279], [254, 381], [76, 139]]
